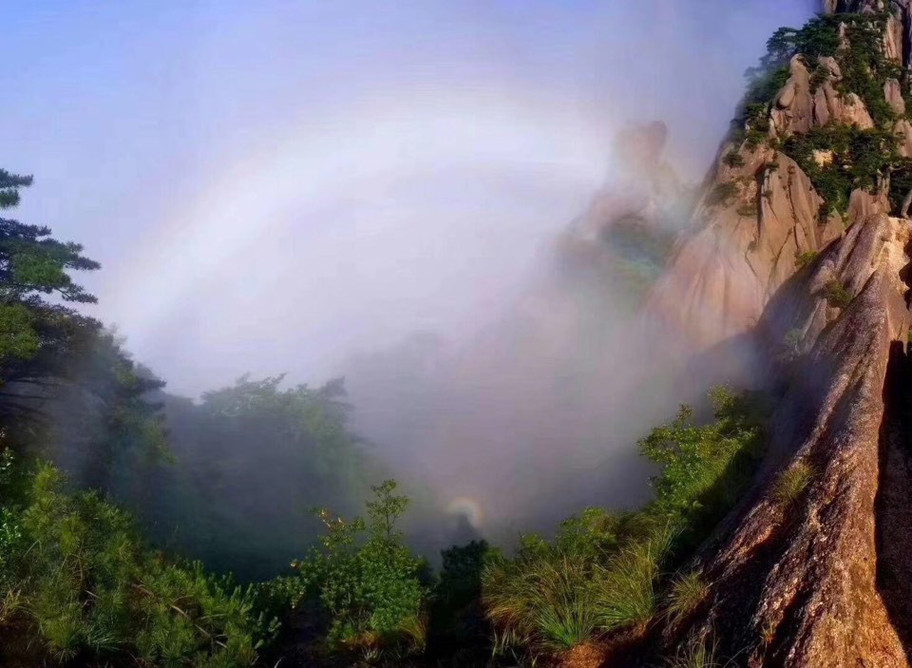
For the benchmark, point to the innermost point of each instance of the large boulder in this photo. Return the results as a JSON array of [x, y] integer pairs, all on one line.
[[800, 107]]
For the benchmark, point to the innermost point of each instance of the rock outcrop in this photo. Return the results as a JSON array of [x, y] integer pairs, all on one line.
[[761, 216], [626, 232], [813, 569], [794, 580], [802, 106]]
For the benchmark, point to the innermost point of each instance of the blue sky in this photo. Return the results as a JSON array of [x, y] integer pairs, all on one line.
[[271, 185]]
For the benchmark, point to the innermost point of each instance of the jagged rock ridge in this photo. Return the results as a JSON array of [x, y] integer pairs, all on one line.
[[816, 573], [794, 581], [760, 212]]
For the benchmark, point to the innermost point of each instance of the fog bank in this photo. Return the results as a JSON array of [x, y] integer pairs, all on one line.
[[282, 186]]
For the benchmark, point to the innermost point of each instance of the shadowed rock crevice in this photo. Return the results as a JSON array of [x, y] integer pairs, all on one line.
[[893, 505]]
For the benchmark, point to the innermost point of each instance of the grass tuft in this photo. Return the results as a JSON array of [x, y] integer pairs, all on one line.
[[686, 593], [697, 653], [792, 483]]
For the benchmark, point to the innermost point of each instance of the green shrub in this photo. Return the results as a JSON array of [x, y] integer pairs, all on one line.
[[733, 159], [791, 484], [367, 582], [836, 294], [722, 194], [900, 184], [93, 591], [704, 468], [804, 259], [628, 586], [861, 158]]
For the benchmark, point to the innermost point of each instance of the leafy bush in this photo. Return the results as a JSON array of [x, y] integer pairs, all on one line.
[[836, 294], [861, 159], [751, 122], [93, 592], [367, 582], [819, 76], [865, 68], [804, 259], [704, 468]]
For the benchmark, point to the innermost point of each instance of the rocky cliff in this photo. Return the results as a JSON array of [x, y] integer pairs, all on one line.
[[762, 213], [814, 567], [813, 574]]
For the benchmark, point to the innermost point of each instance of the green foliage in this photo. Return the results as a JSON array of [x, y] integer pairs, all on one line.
[[602, 572], [751, 122], [18, 338], [32, 266], [864, 66], [628, 586], [105, 427], [722, 194], [697, 653], [900, 184], [9, 188], [749, 210], [791, 484], [802, 260], [543, 599], [368, 583], [836, 294], [31, 262], [733, 159], [92, 592], [704, 468], [861, 159], [819, 37], [54, 360], [819, 76], [685, 593]]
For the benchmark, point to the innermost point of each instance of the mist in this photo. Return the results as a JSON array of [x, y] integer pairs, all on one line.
[[387, 193]]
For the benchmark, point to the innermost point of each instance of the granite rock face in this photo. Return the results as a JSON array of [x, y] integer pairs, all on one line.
[[760, 216], [815, 573], [798, 580]]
